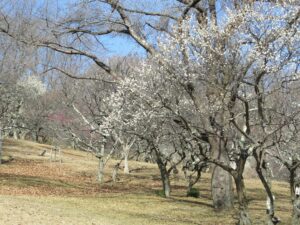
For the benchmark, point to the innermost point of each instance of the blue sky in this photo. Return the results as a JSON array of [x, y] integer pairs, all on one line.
[[115, 45], [122, 45]]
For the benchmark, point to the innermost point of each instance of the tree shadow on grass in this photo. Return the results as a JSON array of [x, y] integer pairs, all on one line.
[[191, 202], [31, 181]]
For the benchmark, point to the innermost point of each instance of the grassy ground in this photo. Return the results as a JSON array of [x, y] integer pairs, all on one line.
[[35, 191]]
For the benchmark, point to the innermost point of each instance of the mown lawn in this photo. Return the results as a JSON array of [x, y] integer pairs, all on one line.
[[35, 191]]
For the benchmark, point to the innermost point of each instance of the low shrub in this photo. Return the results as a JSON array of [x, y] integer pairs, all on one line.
[[194, 192]]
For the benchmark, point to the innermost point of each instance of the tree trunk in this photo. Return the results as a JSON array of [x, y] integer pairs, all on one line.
[[115, 172], [23, 135], [15, 134], [221, 182], [166, 185], [292, 183], [243, 205], [101, 164], [165, 180], [101, 170], [191, 181], [221, 189], [165, 177], [240, 189], [126, 166], [270, 197], [244, 218], [14, 130], [164, 173], [190, 186], [296, 212], [295, 198], [36, 136], [0, 145]]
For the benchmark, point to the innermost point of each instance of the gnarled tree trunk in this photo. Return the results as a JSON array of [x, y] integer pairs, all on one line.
[[244, 218], [294, 187], [165, 175], [192, 181], [271, 218], [221, 182], [296, 212], [166, 182], [221, 189]]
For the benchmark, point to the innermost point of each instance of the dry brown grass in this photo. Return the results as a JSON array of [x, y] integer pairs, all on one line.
[[35, 191]]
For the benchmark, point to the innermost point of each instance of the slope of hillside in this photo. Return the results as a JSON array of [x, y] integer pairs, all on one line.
[[34, 190]]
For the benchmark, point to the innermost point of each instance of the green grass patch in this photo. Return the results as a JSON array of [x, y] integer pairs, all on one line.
[[160, 193]]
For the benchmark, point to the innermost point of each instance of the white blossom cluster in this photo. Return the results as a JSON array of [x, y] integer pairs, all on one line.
[[33, 85], [193, 75]]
